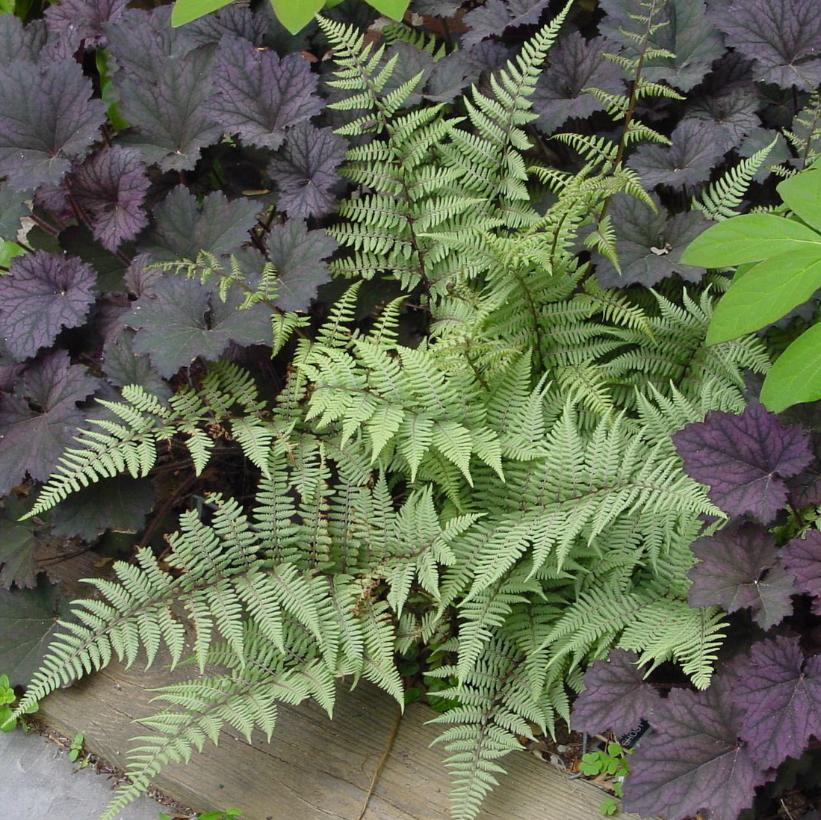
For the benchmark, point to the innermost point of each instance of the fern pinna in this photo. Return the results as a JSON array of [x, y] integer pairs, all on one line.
[[512, 473]]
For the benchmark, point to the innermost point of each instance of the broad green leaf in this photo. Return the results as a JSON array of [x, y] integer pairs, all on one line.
[[748, 238], [6, 6], [765, 293], [802, 195], [187, 10], [796, 375], [8, 250], [296, 14], [394, 9]]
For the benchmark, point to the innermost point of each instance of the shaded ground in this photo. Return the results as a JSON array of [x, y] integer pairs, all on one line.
[[38, 782]]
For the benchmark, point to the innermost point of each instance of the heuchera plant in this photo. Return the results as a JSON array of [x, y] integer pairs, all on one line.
[[710, 750]]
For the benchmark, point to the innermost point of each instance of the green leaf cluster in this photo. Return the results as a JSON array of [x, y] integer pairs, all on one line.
[[779, 259], [293, 14]]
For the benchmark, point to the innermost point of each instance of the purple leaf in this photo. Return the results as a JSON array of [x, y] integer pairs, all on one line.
[[299, 257], [802, 557], [693, 759], [306, 171], [81, 21], [649, 244], [575, 64], [495, 16], [450, 75], [28, 619], [40, 134], [615, 698], [109, 188], [230, 21], [141, 277], [40, 422], [687, 162], [682, 28], [118, 504], [732, 114], [42, 294], [738, 568], [12, 209], [778, 691], [782, 36], [759, 138], [258, 95], [183, 228], [184, 320], [142, 43], [18, 565], [123, 366], [18, 42], [744, 459], [170, 115]]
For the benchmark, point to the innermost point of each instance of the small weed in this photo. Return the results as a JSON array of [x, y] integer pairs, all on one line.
[[611, 761]]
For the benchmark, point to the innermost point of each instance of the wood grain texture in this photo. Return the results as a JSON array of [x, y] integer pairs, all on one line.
[[314, 768]]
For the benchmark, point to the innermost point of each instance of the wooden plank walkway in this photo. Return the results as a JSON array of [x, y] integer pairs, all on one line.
[[314, 768]]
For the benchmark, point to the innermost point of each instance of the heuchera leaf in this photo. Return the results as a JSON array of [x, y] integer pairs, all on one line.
[[27, 619], [306, 171], [493, 17], [575, 64], [744, 459], [18, 42], [782, 36], [778, 691], [183, 228], [18, 565], [40, 421], [299, 257], [649, 244], [81, 21], [123, 366], [40, 134], [683, 29], [12, 209], [802, 557], [693, 759], [142, 43], [450, 75], [615, 698], [119, 504], [42, 294], [732, 114], [738, 568], [184, 320], [110, 189], [170, 114], [233, 21], [258, 95], [695, 149], [141, 276]]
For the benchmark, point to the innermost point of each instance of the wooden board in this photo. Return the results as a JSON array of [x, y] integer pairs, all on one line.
[[314, 768]]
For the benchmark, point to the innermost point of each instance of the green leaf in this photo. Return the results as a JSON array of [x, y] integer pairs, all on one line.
[[802, 195], [8, 250], [765, 293], [394, 9], [6, 6], [296, 14], [748, 238], [187, 10], [796, 375]]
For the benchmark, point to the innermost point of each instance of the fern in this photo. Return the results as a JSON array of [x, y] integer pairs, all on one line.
[[502, 495]]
